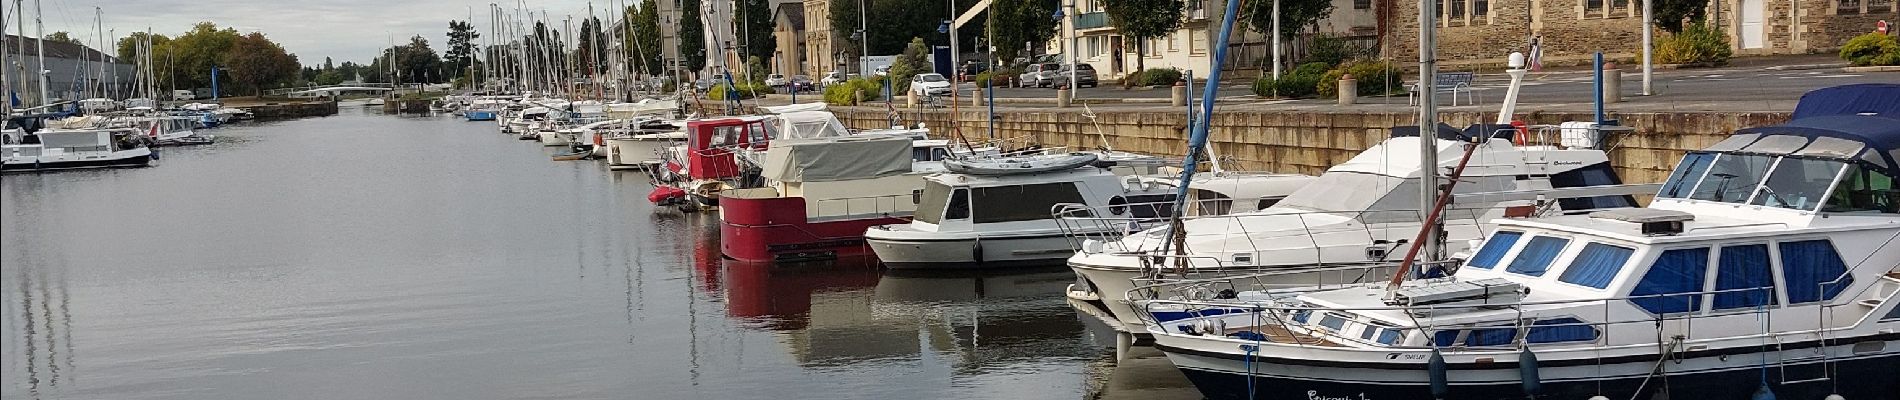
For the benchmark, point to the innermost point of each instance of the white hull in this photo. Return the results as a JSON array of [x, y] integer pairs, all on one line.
[[553, 139], [635, 152], [1111, 286], [1029, 248]]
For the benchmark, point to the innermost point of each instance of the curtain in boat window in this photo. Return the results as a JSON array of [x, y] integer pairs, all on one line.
[[1675, 271], [1494, 249], [1810, 268], [1535, 259], [1557, 330], [1743, 267], [1596, 265], [1445, 337], [1491, 337]]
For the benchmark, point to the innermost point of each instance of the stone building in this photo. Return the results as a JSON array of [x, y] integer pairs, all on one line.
[[821, 52], [788, 28], [1188, 48], [1570, 31]]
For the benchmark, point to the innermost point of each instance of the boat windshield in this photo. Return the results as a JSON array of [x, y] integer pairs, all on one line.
[[1791, 182], [930, 203], [1345, 192]]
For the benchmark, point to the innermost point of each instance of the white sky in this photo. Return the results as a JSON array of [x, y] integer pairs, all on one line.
[[346, 30]]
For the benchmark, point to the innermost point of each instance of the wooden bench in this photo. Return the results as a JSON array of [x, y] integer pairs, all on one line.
[[1447, 82]]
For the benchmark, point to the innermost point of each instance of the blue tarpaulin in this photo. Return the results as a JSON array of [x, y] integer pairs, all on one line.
[[1881, 99]]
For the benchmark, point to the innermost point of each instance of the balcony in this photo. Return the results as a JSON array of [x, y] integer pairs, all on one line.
[[1091, 20]]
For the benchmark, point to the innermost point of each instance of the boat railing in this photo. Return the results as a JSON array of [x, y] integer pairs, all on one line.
[[844, 207], [1113, 229], [1609, 320]]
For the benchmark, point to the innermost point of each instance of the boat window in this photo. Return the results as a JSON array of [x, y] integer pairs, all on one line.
[[1208, 202], [1333, 321], [1400, 204], [959, 207], [1491, 337], [1494, 249], [1599, 174], [1797, 183], [1559, 330], [1144, 206], [1812, 270], [1863, 189], [1677, 272], [1302, 315], [1366, 334], [1266, 202], [1390, 336], [1535, 259], [1596, 265], [1022, 202], [930, 207], [1742, 279], [1731, 177], [1445, 337]]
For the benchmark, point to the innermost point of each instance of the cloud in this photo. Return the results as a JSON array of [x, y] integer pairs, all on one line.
[[345, 30]]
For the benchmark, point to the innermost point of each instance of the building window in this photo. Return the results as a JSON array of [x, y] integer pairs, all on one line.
[[1847, 6], [1480, 9], [1174, 42], [1879, 6], [1456, 10], [1197, 41], [1361, 4]]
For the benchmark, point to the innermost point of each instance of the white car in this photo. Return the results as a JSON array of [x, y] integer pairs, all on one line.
[[832, 78], [775, 80], [929, 85]]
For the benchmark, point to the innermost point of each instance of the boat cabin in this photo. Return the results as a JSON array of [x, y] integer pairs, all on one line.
[[960, 202], [710, 144]]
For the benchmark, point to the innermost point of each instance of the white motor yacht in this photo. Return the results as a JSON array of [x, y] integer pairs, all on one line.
[[72, 149], [1767, 266]]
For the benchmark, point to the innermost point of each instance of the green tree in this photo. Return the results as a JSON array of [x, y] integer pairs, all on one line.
[[645, 46], [416, 62], [1295, 15], [1140, 20], [1670, 14], [914, 60], [1022, 22], [330, 77], [200, 49], [755, 25], [692, 36], [844, 25], [256, 62], [460, 54], [62, 37], [128, 46], [584, 53]]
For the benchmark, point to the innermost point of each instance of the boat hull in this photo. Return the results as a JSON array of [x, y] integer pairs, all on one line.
[[777, 230], [1866, 374], [631, 153], [972, 253], [553, 139], [479, 115], [1110, 285], [141, 160]]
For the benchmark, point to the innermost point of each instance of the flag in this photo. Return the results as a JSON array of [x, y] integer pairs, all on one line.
[[16, 98]]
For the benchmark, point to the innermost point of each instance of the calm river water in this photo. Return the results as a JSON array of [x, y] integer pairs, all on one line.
[[372, 256]]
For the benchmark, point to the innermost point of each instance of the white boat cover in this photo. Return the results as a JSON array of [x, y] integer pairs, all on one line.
[[837, 158], [79, 122], [809, 124], [643, 107], [791, 108]]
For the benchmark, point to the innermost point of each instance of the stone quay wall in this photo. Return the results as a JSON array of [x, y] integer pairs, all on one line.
[[1309, 142]]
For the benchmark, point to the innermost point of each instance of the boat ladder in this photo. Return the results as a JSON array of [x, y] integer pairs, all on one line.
[[1817, 353]]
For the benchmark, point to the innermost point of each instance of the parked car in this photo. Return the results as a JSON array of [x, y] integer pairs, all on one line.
[[832, 78], [775, 80], [801, 83], [1039, 75], [881, 71], [970, 70], [1084, 76], [931, 84]]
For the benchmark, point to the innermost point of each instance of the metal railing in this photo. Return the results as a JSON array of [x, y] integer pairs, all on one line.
[[1114, 229], [887, 205]]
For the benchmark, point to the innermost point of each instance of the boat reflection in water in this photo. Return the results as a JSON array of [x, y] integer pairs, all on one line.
[[844, 312]]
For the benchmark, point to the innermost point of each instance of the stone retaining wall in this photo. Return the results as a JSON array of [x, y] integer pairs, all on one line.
[[1310, 142]]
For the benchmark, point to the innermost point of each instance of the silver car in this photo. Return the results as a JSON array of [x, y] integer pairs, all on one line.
[[1039, 75]]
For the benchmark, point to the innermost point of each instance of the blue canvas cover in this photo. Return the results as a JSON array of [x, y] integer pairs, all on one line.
[[1881, 99]]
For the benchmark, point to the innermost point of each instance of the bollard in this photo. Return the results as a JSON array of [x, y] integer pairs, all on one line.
[[1180, 95], [857, 97], [1612, 83], [1348, 90], [1062, 98], [976, 97]]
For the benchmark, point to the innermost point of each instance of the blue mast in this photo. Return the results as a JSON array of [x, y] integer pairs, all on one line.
[[1198, 138]]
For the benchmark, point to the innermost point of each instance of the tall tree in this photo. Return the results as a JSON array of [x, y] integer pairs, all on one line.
[[1295, 15], [585, 41], [755, 25], [415, 62], [1670, 14], [1140, 20], [645, 45], [62, 37], [692, 36], [459, 56], [128, 46], [255, 62], [327, 65], [844, 25], [200, 49], [1021, 24]]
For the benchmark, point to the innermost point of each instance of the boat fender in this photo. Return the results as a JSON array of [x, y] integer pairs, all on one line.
[[154, 154], [976, 251], [1527, 372], [1435, 369], [1763, 393], [1834, 397]]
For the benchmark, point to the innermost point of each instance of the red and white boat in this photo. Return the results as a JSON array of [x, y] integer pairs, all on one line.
[[820, 194]]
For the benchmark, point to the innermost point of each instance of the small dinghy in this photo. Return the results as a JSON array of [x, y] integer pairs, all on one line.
[[576, 154], [1019, 164]]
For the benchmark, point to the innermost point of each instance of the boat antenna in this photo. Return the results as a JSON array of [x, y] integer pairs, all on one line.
[[1198, 138]]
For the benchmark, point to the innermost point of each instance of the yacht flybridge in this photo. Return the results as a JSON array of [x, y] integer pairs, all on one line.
[[1769, 263]]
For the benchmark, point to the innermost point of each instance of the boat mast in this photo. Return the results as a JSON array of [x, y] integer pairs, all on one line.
[[1197, 140], [1428, 127], [39, 29]]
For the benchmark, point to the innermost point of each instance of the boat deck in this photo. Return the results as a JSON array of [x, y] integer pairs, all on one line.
[[1279, 334]]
